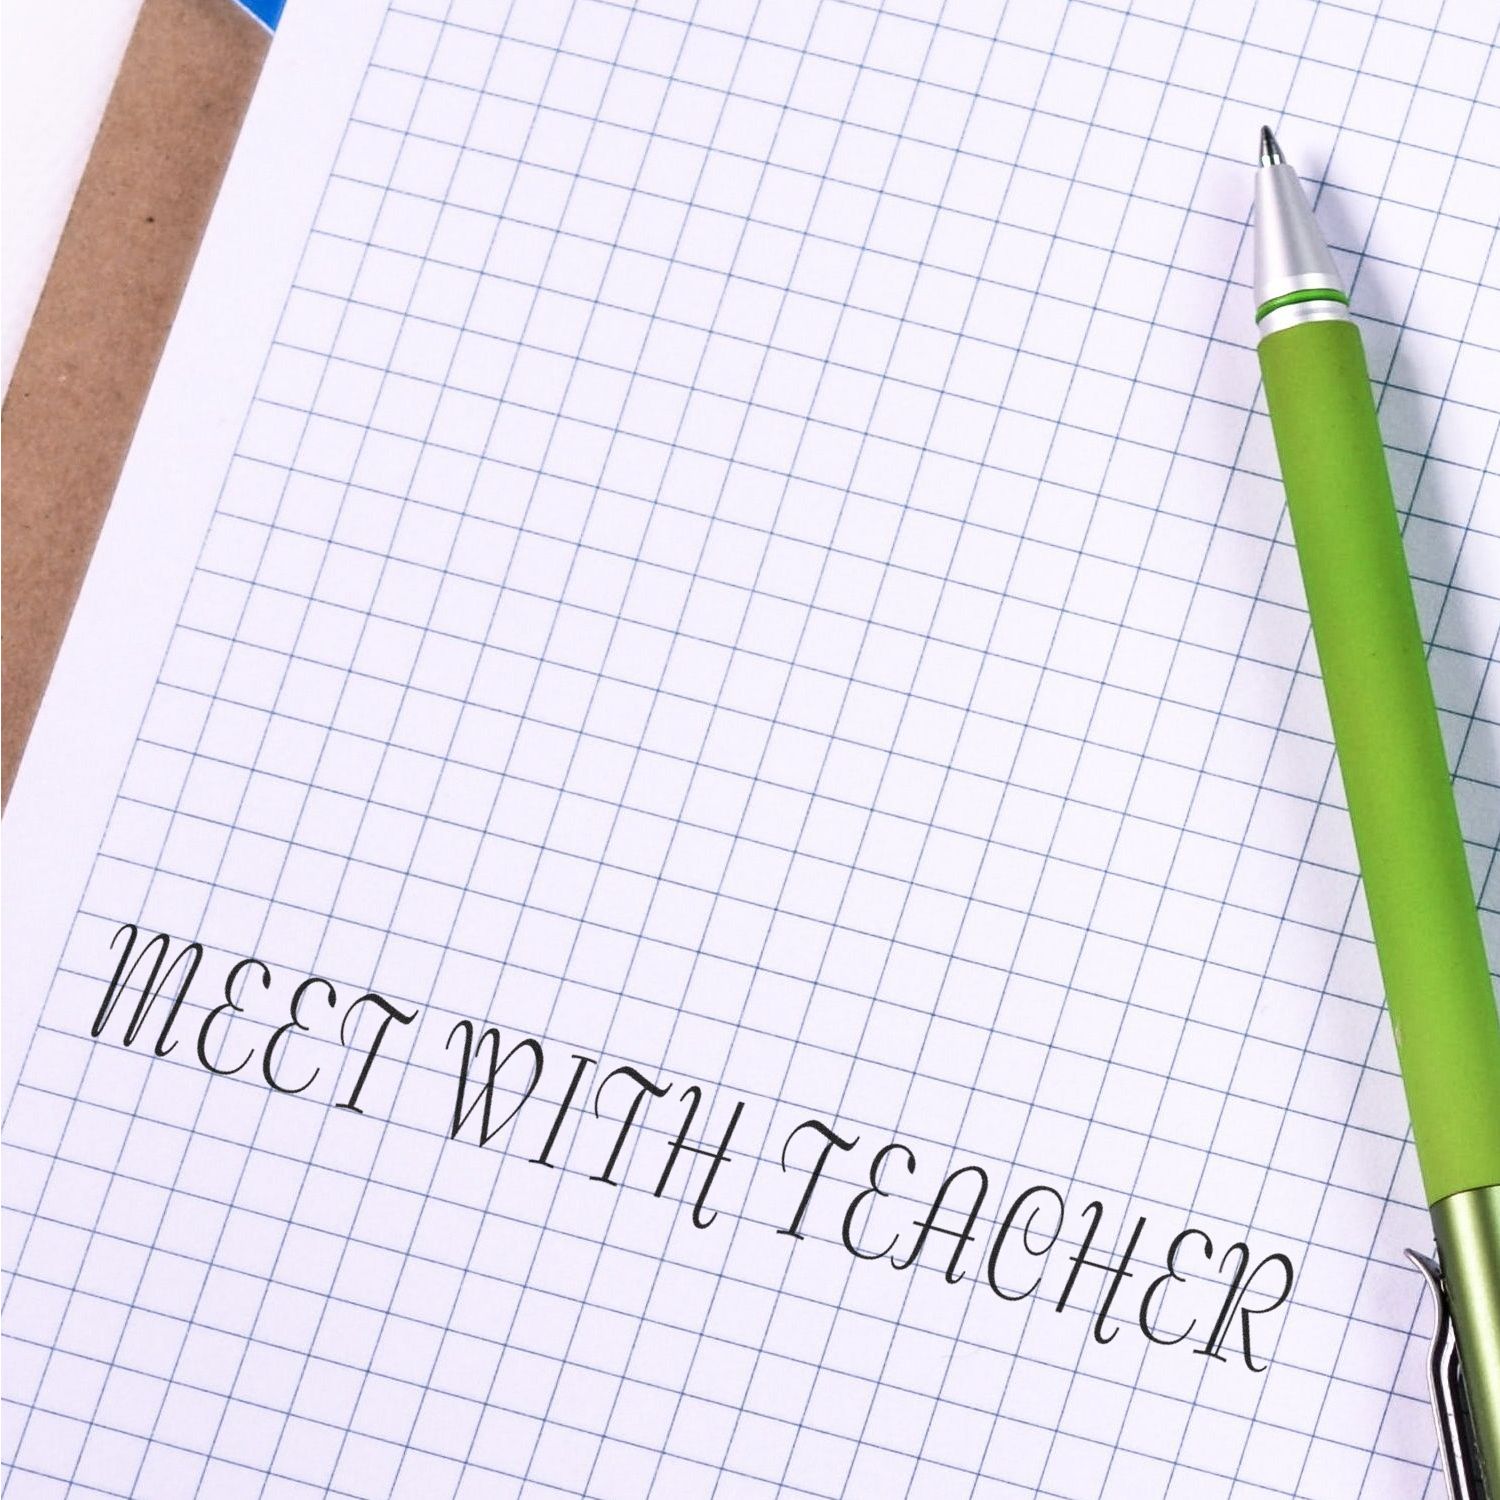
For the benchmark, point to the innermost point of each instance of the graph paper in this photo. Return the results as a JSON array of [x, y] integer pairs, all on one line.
[[742, 542]]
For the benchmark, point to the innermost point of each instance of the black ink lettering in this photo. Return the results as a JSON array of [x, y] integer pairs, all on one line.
[[155, 982], [294, 1023], [879, 1192], [232, 1005], [929, 1225], [485, 1103], [1238, 1287], [580, 1063], [390, 1013], [1117, 1273], [644, 1086], [1006, 1225], [717, 1156], [830, 1140], [1171, 1274]]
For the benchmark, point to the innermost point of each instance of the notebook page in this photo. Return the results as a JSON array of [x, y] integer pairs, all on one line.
[[737, 546]]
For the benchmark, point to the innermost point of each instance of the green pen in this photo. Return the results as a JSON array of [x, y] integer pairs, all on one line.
[[1395, 772]]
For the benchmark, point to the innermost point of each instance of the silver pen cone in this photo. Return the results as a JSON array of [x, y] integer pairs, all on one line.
[[1296, 280]]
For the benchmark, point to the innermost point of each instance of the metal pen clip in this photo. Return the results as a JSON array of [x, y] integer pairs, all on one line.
[[1450, 1405]]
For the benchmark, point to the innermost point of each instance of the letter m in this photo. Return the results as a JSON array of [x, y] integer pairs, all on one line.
[[156, 980]]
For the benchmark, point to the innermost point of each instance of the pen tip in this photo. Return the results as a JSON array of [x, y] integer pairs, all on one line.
[[1270, 151]]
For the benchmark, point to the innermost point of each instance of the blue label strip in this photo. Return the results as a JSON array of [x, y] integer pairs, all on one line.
[[267, 12]]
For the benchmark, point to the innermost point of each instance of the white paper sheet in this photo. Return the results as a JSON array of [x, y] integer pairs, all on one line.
[[739, 544]]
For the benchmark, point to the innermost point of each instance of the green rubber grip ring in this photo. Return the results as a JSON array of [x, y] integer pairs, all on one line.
[[1395, 770], [1308, 294]]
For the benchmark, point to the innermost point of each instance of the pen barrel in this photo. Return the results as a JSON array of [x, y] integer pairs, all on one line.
[[1391, 756]]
